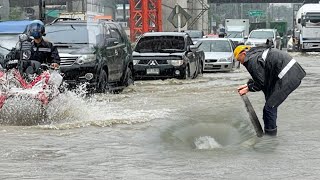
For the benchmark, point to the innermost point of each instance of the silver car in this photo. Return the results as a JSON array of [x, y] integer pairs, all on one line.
[[259, 37], [218, 54]]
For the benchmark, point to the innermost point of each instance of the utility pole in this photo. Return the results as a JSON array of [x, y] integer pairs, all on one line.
[[124, 11], [42, 10], [241, 10], [83, 8], [202, 23]]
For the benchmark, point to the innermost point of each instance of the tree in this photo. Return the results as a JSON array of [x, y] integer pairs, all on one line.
[[15, 13]]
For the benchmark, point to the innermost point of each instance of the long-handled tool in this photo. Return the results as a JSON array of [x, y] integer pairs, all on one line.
[[253, 116]]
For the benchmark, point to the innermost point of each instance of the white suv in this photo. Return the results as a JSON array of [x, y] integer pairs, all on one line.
[[259, 37]]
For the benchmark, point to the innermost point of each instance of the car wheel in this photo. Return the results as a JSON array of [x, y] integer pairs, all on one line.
[[197, 71], [201, 67], [102, 86], [128, 80], [187, 72]]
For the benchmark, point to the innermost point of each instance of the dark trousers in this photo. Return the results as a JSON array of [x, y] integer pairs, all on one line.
[[270, 120]]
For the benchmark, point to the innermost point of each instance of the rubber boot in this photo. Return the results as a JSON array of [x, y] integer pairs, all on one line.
[[270, 132]]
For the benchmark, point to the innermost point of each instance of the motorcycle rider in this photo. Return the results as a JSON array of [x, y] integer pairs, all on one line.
[[42, 50]]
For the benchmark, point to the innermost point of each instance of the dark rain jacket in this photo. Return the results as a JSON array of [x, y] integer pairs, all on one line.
[[44, 52], [274, 72]]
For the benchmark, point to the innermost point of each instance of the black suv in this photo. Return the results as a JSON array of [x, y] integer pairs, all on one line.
[[97, 53]]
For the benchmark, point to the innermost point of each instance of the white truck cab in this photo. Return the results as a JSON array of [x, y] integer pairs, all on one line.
[[308, 27]]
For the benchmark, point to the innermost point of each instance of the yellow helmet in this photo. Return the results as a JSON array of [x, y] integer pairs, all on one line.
[[239, 49]]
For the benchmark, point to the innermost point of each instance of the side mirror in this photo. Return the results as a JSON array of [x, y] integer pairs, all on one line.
[[23, 37], [192, 48], [278, 37], [245, 37], [109, 42], [299, 20]]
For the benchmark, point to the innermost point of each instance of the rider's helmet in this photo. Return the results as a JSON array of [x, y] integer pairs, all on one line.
[[36, 29]]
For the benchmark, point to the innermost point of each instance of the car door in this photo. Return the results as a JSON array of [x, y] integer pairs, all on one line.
[[192, 57], [120, 51], [109, 56]]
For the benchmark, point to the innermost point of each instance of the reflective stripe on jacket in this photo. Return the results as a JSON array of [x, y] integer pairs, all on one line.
[[274, 72], [44, 52]]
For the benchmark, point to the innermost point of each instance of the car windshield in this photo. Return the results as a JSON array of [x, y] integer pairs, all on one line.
[[312, 19], [3, 51], [160, 43], [215, 46], [235, 35], [195, 34], [261, 34], [9, 40], [71, 34]]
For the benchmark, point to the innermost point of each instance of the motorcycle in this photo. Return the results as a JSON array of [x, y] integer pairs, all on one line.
[[24, 77]]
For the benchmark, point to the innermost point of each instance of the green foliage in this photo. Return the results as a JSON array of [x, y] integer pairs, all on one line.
[[15, 13]]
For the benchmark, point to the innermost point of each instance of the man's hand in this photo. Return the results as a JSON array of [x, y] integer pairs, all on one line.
[[242, 90], [55, 66]]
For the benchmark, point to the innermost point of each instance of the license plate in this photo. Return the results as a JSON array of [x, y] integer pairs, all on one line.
[[153, 71]]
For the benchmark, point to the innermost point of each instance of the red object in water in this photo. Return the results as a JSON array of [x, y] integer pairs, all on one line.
[[2, 100], [145, 16], [41, 96]]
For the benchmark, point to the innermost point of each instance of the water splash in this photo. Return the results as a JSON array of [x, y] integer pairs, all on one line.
[[206, 142], [22, 111]]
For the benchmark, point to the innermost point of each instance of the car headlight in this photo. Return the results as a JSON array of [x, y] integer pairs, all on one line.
[[222, 60], [86, 58], [248, 43], [175, 62], [135, 62]]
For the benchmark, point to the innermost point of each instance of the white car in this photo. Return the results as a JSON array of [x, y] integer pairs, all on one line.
[[236, 36], [218, 54], [259, 37]]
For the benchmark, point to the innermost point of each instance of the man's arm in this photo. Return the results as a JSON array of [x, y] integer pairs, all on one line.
[[253, 86], [55, 55]]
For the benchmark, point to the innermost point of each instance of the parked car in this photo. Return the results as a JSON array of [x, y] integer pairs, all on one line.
[[259, 37], [195, 35], [3, 53], [236, 37], [96, 53], [166, 55], [218, 54], [10, 30]]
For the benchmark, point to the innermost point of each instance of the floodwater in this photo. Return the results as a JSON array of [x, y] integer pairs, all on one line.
[[172, 129]]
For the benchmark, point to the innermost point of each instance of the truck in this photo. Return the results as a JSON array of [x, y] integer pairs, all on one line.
[[307, 31], [237, 29]]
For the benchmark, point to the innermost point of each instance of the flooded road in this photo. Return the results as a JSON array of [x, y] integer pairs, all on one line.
[[172, 129]]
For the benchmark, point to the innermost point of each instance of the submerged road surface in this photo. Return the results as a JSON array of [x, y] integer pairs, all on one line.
[[172, 129]]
